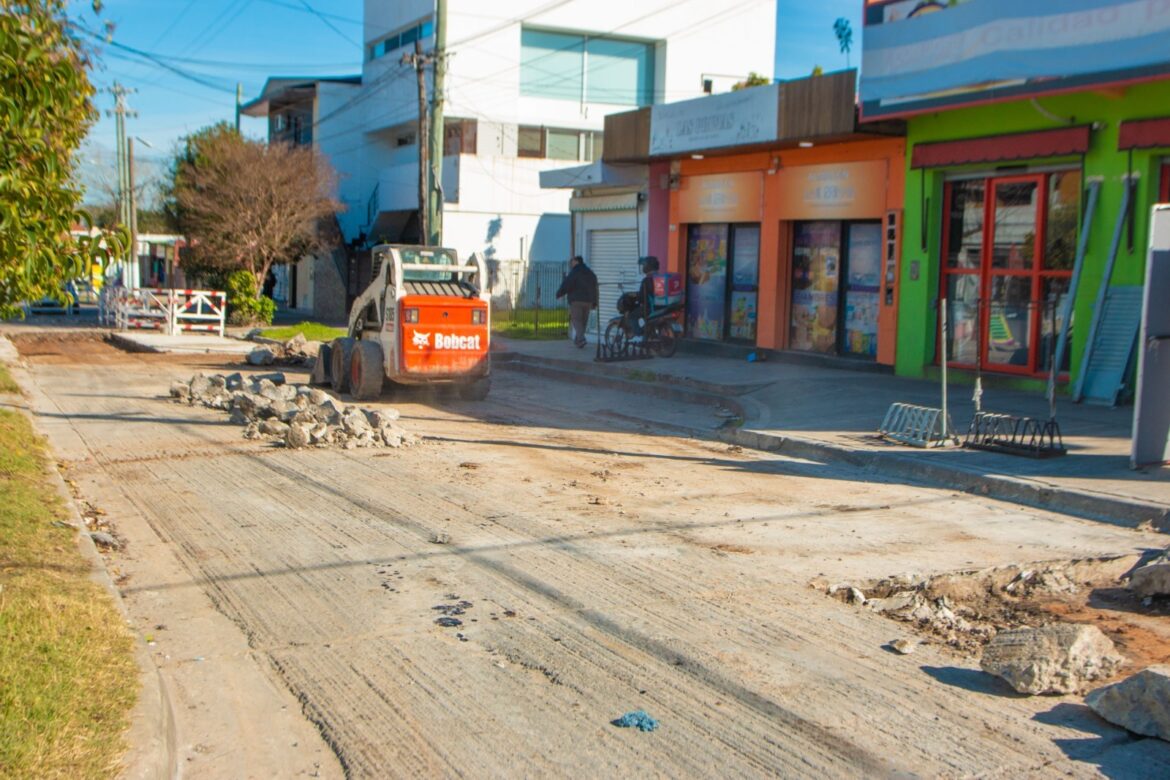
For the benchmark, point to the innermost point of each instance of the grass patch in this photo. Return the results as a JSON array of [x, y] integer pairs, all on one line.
[[534, 324], [7, 383], [313, 331], [67, 673]]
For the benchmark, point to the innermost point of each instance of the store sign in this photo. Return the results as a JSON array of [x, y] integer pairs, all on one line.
[[748, 116], [845, 191], [920, 56], [729, 197]]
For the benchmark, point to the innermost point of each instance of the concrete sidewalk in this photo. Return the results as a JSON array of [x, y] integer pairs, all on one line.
[[832, 414], [191, 343]]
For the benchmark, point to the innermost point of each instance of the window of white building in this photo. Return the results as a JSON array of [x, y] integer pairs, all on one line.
[[400, 38], [558, 143], [569, 66]]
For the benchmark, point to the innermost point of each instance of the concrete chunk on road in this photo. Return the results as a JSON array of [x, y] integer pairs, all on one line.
[[1140, 703], [1062, 658], [1153, 579], [261, 356]]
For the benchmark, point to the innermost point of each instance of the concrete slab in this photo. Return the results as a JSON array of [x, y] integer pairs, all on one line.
[[194, 343]]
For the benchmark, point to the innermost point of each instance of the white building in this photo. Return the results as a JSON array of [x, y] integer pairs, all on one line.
[[529, 83]]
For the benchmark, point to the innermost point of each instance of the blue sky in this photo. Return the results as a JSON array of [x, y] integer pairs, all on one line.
[[804, 35], [215, 43]]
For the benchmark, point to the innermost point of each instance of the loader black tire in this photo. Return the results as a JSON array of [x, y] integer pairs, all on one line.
[[366, 371], [340, 353], [477, 390]]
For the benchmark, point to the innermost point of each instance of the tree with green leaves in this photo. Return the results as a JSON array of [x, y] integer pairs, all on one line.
[[844, 32], [45, 112], [753, 80]]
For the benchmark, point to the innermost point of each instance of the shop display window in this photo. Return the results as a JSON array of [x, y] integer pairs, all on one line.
[[1009, 248]]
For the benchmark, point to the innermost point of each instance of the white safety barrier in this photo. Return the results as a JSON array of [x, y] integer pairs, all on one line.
[[171, 311]]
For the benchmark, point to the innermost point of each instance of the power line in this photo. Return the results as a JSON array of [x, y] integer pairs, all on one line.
[[322, 14], [211, 31], [154, 59], [328, 23], [175, 22]]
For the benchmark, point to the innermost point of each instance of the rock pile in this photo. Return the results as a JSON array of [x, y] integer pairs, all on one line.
[[298, 415], [297, 351]]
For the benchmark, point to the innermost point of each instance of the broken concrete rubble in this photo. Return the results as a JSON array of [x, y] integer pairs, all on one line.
[[1062, 658], [298, 415], [261, 356], [1153, 579], [1140, 703], [296, 351]]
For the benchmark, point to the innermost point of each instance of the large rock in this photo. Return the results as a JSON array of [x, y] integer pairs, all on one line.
[[273, 428], [1153, 579], [355, 422], [295, 345], [261, 356], [1140, 703], [199, 386], [1062, 658], [296, 437]]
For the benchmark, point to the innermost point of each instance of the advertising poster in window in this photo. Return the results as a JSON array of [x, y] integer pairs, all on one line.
[[861, 291], [745, 279], [816, 265], [706, 281]]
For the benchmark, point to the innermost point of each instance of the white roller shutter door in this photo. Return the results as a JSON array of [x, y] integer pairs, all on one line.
[[613, 256]]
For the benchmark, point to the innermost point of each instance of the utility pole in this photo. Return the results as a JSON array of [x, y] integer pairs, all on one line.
[[133, 205], [435, 195], [239, 103], [418, 61], [125, 171]]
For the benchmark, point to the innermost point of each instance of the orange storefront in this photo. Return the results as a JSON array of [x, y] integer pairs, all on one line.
[[792, 249]]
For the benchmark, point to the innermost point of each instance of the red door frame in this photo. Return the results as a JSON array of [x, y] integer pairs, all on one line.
[[985, 272], [1164, 195], [989, 272]]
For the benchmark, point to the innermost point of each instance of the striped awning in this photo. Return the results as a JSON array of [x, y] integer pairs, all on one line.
[[1144, 134], [1061, 142]]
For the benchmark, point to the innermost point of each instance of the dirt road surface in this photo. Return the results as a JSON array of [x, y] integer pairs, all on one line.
[[587, 565]]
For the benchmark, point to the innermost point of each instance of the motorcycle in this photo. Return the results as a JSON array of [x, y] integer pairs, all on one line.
[[660, 331]]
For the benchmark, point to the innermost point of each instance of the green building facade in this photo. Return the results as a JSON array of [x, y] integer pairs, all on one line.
[[995, 198]]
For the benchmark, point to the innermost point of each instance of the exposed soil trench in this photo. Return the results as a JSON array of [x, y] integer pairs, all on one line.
[[488, 601]]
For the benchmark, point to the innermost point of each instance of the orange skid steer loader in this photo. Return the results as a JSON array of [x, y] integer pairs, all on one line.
[[424, 320]]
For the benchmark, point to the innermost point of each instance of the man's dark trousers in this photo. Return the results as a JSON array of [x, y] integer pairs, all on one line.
[[579, 320]]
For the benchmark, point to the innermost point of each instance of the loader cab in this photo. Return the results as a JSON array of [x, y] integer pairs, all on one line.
[[424, 318]]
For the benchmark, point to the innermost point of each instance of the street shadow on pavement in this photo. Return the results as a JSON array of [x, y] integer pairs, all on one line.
[[973, 680], [1115, 753]]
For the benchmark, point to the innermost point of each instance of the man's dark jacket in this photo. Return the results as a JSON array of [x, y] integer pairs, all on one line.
[[580, 285]]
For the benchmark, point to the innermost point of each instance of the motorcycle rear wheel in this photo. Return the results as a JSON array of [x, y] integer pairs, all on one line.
[[665, 340], [615, 335]]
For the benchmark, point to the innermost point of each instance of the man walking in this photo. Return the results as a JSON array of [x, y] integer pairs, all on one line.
[[580, 285]]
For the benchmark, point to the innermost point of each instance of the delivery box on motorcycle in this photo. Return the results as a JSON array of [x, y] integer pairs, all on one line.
[[668, 289]]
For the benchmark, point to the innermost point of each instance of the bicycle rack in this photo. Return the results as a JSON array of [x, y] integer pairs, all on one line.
[[629, 350], [918, 426], [1014, 435]]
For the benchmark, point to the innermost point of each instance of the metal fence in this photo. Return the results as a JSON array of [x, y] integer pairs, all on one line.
[[524, 302]]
